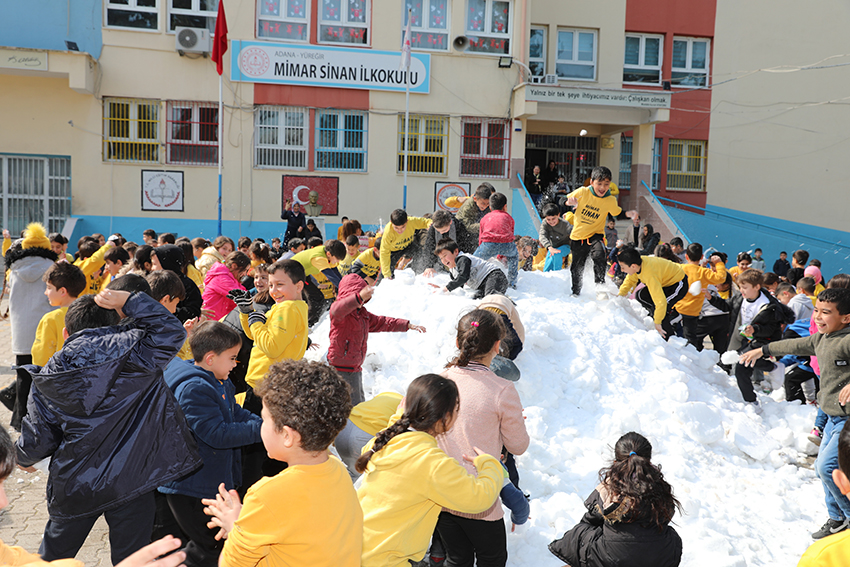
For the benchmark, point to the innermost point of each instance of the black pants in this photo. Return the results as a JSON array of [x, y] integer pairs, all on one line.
[[495, 282], [130, 528], [414, 252], [469, 542], [23, 383], [581, 249], [316, 302], [716, 327], [793, 380], [673, 293], [256, 462], [744, 375], [202, 549], [164, 522]]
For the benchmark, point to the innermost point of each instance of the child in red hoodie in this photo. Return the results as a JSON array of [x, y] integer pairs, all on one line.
[[496, 236], [351, 324]]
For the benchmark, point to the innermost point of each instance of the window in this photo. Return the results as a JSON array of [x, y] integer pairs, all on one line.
[[34, 189], [131, 130], [686, 165], [283, 19], [626, 163], [345, 21], [690, 62], [428, 141], [192, 133], [341, 140], [192, 14], [576, 55], [485, 146], [429, 24], [537, 51], [136, 14], [642, 62], [280, 137], [488, 25]]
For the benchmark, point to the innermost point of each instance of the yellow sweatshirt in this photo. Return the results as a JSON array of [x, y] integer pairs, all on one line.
[[692, 305], [392, 241], [832, 551], [406, 485], [195, 275], [592, 212], [307, 515], [370, 265], [374, 415], [91, 268], [282, 336], [345, 265], [48, 336], [18, 557], [655, 273]]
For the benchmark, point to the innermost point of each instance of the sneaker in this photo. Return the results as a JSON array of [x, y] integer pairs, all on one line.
[[831, 527], [756, 407], [816, 436]]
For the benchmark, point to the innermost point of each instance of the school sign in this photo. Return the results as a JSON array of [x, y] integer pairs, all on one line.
[[319, 66]]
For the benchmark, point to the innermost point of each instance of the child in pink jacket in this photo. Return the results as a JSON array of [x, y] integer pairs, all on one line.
[[220, 279]]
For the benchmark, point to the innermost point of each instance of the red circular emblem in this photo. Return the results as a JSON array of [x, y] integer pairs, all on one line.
[[254, 61]]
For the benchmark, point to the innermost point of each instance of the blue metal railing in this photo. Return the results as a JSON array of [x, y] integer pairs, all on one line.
[[658, 200], [530, 207]]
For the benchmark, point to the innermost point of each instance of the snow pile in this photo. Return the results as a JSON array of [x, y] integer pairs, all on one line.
[[593, 370]]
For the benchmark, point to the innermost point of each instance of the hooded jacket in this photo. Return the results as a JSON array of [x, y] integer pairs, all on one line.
[[351, 324], [208, 259], [802, 307], [102, 410], [27, 302], [219, 425], [171, 258], [767, 324], [217, 283]]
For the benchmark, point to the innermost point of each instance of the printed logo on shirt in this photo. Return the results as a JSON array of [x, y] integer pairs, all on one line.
[[841, 363]]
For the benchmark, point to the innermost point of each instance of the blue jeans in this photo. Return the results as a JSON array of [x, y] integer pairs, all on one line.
[[820, 420], [487, 250], [554, 262], [827, 461]]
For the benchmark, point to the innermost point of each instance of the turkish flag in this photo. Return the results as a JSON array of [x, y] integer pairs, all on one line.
[[220, 39]]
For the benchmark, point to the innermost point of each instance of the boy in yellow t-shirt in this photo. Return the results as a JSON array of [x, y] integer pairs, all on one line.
[[665, 281], [398, 240], [65, 282], [593, 205], [91, 262], [309, 513]]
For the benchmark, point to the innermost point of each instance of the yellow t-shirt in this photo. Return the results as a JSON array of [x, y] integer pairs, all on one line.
[[48, 336], [195, 275], [368, 264], [692, 305], [282, 336], [345, 265], [392, 241], [373, 415], [307, 515], [656, 273], [592, 212], [19, 557], [91, 269], [831, 551]]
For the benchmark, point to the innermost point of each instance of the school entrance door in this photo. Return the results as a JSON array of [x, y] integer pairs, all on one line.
[[575, 156]]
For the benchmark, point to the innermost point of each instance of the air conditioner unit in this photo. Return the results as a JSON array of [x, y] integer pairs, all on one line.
[[551, 79], [192, 40]]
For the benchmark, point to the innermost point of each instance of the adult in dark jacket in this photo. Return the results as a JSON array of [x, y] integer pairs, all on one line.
[[351, 324], [296, 221], [649, 240], [170, 257], [102, 411], [444, 225]]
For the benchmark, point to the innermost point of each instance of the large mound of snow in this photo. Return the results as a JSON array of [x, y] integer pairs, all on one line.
[[593, 370]]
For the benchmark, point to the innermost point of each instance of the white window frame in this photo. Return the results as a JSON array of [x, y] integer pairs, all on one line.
[[340, 147], [575, 60], [281, 146], [196, 141], [426, 9], [284, 20], [132, 128], [343, 22], [52, 195], [488, 24], [642, 66], [545, 30], [482, 155], [689, 59], [132, 6], [194, 11]]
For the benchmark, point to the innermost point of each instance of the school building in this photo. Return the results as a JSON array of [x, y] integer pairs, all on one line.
[[110, 115]]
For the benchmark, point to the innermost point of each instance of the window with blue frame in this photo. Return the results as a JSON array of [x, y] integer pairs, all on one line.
[[341, 140]]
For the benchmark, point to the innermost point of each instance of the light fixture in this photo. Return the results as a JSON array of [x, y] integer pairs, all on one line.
[[505, 62], [583, 132], [71, 45]]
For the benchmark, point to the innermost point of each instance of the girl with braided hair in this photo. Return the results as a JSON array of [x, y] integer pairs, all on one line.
[[490, 418], [628, 515], [408, 479]]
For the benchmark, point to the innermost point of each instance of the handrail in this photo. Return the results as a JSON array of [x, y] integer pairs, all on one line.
[[529, 202], [678, 228], [754, 224]]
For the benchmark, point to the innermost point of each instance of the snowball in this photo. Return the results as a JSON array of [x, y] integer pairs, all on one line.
[[695, 288], [730, 357]]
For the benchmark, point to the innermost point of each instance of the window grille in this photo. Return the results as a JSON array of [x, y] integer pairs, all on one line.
[[34, 189], [485, 148], [341, 140], [428, 140], [686, 165], [192, 133], [131, 130], [280, 137]]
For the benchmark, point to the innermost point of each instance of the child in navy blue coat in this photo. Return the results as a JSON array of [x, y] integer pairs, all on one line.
[[220, 427]]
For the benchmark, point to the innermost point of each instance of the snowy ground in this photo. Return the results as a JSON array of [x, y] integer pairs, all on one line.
[[593, 370]]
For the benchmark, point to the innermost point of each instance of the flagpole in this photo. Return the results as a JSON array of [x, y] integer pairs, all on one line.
[[220, 132], [406, 107]]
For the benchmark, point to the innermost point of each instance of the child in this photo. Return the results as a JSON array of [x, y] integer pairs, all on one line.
[[351, 324], [368, 263], [690, 306], [59, 245], [307, 514], [149, 237], [444, 225], [611, 235], [220, 279], [220, 427], [831, 344], [366, 420], [483, 277], [806, 288], [352, 251], [106, 377], [220, 249], [167, 289], [170, 257], [781, 266], [771, 280], [91, 262], [797, 302], [296, 245], [593, 205], [489, 418], [758, 261], [398, 240], [115, 259], [320, 260], [472, 209], [65, 282], [165, 238], [408, 479], [665, 283], [813, 272], [758, 322], [496, 236], [628, 515], [677, 246], [744, 261], [554, 237]]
